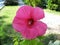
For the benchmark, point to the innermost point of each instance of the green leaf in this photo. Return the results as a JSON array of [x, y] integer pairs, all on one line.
[[16, 43], [41, 37], [40, 43], [29, 42]]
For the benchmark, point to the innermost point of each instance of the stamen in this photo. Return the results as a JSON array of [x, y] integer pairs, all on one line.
[[31, 21]]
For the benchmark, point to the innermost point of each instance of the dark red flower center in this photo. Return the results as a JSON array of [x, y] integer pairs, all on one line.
[[30, 22]]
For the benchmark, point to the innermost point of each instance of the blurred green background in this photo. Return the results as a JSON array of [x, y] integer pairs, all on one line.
[[7, 34]]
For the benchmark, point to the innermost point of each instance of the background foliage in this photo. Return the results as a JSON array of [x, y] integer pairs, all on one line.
[[53, 4], [50, 4], [39, 3], [11, 2]]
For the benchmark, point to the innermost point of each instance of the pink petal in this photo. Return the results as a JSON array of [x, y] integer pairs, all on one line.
[[38, 13], [24, 12], [19, 24], [40, 27], [30, 33]]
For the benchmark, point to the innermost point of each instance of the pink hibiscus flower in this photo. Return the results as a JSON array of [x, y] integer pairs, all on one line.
[[27, 22]]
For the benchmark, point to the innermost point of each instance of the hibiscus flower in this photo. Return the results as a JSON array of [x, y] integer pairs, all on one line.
[[27, 22]]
